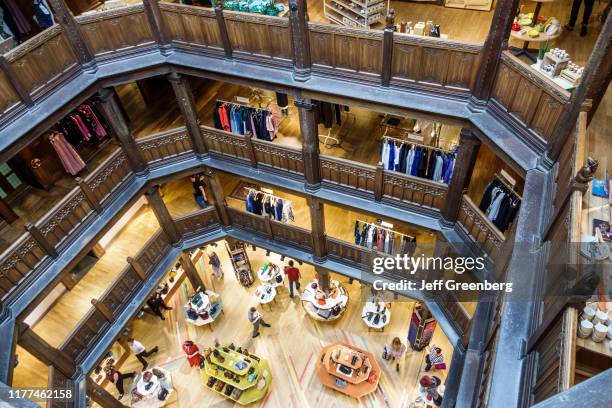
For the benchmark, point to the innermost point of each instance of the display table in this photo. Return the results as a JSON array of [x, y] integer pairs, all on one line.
[[207, 305], [271, 274], [324, 307], [145, 394], [348, 369], [265, 294], [376, 315], [541, 38], [243, 378]]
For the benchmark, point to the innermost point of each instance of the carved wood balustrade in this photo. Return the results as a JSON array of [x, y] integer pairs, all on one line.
[[414, 190], [480, 228], [192, 27], [277, 156], [345, 251], [348, 173], [197, 222], [226, 143], [165, 145]]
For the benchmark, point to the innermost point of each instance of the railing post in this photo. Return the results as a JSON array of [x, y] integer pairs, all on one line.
[[317, 227], [115, 118], [496, 41], [227, 45], [387, 54], [73, 32], [156, 21], [41, 240], [68, 282], [248, 140], [465, 161], [184, 96], [39, 348], [6, 212], [137, 268], [379, 179], [166, 222], [103, 309], [217, 196], [300, 39], [598, 61], [310, 143], [8, 70], [192, 273], [89, 195], [100, 396]]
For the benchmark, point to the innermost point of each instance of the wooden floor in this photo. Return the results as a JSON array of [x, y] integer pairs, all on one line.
[[291, 345]]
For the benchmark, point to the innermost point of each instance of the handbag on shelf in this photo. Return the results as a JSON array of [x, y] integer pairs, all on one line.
[[163, 394], [440, 366]]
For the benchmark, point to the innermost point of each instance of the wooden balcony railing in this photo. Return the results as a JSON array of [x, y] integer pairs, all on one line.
[[291, 234], [345, 251], [348, 173], [198, 222], [227, 144], [279, 157], [121, 30], [528, 96], [23, 260], [165, 145], [414, 190], [192, 27], [480, 228]]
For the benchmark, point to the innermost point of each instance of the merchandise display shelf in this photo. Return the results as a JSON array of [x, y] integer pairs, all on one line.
[[147, 397], [348, 369], [322, 307], [253, 377], [354, 13], [271, 274], [208, 309], [265, 294], [376, 315]]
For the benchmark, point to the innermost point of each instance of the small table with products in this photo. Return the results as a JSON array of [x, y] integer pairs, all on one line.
[[271, 274], [348, 369], [203, 308], [152, 388], [265, 294], [376, 315], [234, 373], [324, 307]]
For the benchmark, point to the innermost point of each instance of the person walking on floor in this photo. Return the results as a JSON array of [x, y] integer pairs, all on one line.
[[293, 275], [215, 263], [116, 377], [140, 352], [434, 358], [199, 190], [396, 350], [429, 387], [156, 303], [586, 15], [256, 319]]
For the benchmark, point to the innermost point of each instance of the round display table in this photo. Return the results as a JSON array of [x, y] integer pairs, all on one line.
[[542, 39], [265, 294], [324, 307], [376, 315], [203, 308], [348, 369], [147, 388], [271, 274]]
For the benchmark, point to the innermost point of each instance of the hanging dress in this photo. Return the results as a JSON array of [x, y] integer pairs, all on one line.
[[69, 157]]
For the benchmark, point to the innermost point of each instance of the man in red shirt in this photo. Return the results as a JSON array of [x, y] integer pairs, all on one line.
[[293, 274]]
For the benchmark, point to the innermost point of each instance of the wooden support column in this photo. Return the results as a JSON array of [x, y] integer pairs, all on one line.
[[496, 42], [300, 39], [462, 173], [379, 181], [97, 251], [137, 267], [41, 240], [100, 396], [324, 279], [317, 222], [39, 348], [310, 143], [227, 45], [7, 213], [166, 222], [66, 19], [103, 309], [387, 54], [156, 21], [89, 195], [113, 113], [8, 70], [68, 282], [192, 273], [593, 71], [217, 196], [184, 96]]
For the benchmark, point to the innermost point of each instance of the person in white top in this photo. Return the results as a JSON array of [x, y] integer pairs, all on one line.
[[140, 352]]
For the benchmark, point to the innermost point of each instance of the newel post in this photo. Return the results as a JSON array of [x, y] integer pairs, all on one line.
[[387, 54], [41, 240], [73, 31], [227, 45], [379, 179], [300, 39]]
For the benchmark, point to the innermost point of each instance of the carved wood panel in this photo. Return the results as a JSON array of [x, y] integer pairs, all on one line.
[[259, 35], [19, 261], [407, 61], [58, 225], [197, 222], [42, 59], [546, 116], [166, 145], [506, 83], [347, 173], [281, 157], [434, 65], [321, 53], [109, 176], [194, 29], [225, 142], [346, 52], [8, 96], [462, 68], [525, 101], [414, 190]]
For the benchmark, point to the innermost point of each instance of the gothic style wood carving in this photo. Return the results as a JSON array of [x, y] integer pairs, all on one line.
[[347, 173], [478, 226], [165, 145]]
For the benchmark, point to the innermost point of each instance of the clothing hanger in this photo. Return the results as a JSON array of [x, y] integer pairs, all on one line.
[[385, 228], [402, 141], [508, 186]]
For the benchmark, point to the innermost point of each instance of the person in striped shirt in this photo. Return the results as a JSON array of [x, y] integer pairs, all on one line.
[[434, 357]]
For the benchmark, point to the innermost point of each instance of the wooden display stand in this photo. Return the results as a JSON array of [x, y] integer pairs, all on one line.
[[250, 376], [321, 306], [240, 262], [354, 13], [558, 64], [208, 310], [356, 368]]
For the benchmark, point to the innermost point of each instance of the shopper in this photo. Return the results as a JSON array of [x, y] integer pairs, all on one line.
[[215, 263], [156, 303], [434, 358], [586, 15], [199, 190], [429, 387], [396, 350], [257, 319], [293, 275], [193, 353], [140, 352], [115, 376]]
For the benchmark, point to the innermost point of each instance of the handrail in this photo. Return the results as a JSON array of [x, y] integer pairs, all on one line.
[[109, 14]]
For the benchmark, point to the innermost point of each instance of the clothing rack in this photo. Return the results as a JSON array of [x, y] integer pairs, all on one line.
[[385, 228], [251, 189], [507, 185], [337, 138], [242, 104], [418, 144]]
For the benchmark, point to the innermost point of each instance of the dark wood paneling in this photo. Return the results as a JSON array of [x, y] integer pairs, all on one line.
[[196, 26], [253, 35], [8, 96], [166, 145]]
